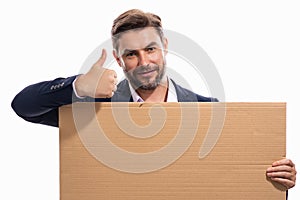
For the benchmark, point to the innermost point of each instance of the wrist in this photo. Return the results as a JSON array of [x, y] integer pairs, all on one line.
[[77, 89]]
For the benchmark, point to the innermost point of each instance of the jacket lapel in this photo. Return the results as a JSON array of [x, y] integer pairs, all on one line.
[[123, 93], [184, 95]]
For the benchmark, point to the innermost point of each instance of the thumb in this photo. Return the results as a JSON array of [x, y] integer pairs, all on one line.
[[102, 59]]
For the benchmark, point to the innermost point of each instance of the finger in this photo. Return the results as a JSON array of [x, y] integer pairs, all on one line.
[[286, 182], [102, 59], [283, 162], [112, 76], [115, 77], [284, 168], [110, 95], [282, 174], [115, 88]]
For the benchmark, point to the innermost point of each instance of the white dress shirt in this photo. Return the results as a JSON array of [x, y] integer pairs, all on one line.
[[171, 96]]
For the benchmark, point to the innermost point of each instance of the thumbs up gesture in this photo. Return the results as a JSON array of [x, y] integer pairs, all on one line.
[[98, 82]]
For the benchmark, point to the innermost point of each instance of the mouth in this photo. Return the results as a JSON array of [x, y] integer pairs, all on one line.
[[146, 73]]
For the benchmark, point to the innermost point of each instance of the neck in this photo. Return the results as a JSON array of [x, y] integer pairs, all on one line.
[[159, 94]]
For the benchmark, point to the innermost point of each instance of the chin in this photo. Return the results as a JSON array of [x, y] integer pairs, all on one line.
[[149, 86]]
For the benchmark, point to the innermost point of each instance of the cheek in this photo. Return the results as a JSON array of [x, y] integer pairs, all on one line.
[[158, 58], [129, 64]]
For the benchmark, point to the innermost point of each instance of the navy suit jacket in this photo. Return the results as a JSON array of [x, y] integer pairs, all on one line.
[[39, 103]]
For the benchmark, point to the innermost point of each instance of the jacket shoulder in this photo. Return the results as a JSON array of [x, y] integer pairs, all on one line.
[[185, 95]]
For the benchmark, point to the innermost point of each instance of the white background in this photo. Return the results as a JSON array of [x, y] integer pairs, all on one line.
[[255, 46]]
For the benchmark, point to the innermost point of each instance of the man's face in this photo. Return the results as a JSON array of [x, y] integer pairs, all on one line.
[[141, 54]]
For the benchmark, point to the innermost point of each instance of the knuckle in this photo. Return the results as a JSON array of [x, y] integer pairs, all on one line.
[[108, 92], [292, 184], [111, 80], [111, 72]]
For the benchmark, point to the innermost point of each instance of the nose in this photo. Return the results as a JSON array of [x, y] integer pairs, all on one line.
[[143, 58]]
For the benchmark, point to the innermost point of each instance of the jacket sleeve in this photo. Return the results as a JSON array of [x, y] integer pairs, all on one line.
[[39, 103]]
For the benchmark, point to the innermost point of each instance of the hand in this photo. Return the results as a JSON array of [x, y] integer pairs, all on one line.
[[98, 82], [284, 172]]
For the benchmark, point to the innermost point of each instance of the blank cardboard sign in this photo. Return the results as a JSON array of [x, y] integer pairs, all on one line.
[[170, 150]]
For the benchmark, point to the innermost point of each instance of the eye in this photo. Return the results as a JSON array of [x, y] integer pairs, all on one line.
[[150, 49], [130, 54]]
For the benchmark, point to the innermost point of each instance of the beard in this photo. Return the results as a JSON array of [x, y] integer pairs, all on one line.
[[145, 83]]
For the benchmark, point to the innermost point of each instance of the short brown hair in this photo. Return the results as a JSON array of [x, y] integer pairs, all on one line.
[[134, 19]]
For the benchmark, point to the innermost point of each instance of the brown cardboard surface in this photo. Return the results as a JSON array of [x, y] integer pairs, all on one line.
[[251, 137]]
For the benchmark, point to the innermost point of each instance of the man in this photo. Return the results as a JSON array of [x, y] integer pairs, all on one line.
[[139, 48]]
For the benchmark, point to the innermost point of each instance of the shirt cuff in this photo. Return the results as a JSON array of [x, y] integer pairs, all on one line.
[[74, 89]]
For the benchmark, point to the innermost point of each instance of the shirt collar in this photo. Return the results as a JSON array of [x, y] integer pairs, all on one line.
[[172, 96]]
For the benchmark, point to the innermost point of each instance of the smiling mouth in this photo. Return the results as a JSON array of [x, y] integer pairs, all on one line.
[[146, 73]]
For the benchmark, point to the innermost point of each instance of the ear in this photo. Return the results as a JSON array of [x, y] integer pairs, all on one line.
[[117, 58], [165, 44]]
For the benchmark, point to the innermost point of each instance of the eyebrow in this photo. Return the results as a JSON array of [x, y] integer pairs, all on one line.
[[125, 51]]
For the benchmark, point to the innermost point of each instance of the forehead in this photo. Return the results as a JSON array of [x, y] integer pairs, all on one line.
[[138, 39]]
